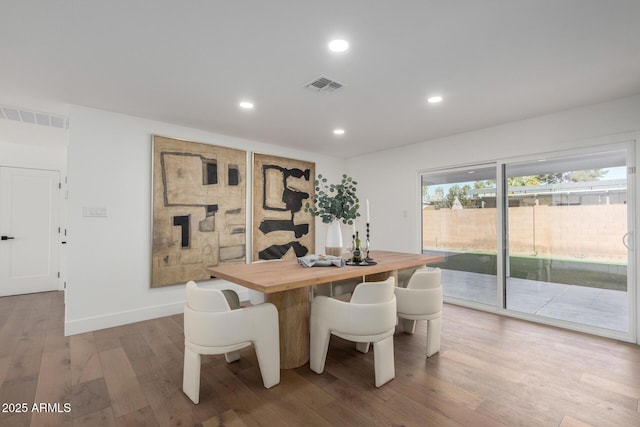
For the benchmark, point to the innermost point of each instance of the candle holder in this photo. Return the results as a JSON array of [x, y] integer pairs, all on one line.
[[353, 247], [367, 247]]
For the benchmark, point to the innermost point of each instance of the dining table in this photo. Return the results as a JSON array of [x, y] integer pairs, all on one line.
[[286, 284]]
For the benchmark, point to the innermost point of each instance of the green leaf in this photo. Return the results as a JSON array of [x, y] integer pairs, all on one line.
[[335, 201]]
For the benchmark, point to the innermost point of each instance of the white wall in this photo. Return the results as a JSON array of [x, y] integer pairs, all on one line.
[[32, 146], [109, 165], [389, 178]]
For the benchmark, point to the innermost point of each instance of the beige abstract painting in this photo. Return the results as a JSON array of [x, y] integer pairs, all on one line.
[[281, 227], [199, 213]]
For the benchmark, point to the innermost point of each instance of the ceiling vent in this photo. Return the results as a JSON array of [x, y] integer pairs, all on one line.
[[323, 84], [33, 117]]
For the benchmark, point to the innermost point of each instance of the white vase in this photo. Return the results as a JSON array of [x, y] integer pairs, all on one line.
[[333, 243]]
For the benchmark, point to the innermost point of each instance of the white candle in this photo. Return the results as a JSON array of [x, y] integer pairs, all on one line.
[[368, 211], [354, 228]]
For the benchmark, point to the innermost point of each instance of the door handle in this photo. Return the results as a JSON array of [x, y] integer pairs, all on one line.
[[7, 238]]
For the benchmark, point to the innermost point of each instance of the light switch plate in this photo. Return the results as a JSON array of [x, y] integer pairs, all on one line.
[[94, 211]]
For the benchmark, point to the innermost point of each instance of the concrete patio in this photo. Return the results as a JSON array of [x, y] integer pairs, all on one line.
[[602, 308]]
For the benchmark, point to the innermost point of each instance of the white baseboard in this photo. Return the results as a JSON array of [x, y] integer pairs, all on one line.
[[95, 323], [89, 324]]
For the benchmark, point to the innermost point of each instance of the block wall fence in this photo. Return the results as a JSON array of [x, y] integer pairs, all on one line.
[[587, 232]]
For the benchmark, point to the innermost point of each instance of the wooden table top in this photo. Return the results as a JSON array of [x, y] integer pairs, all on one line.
[[278, 276]]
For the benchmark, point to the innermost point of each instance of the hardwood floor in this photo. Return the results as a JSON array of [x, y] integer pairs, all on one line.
[[491, 371]]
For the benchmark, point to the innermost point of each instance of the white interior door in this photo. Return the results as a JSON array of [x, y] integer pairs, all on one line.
[[29, 226]]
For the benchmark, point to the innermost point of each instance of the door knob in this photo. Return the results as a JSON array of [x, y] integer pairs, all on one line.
[[7, 238]]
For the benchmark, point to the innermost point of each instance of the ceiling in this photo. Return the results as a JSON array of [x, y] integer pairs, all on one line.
[[191, 63]]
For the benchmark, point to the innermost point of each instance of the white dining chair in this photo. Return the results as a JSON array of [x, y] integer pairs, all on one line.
[[215, 324], [369, 317], [422, 300], [337, 288]]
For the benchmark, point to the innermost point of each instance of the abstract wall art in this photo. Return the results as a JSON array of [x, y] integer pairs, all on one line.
[[281, 227], [199, 209]]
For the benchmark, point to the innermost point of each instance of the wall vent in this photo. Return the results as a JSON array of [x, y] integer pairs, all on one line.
[[33, 117], [323, 84]]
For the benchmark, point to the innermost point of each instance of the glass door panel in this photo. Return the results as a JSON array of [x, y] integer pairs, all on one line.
[[566, 230], [459, 223]]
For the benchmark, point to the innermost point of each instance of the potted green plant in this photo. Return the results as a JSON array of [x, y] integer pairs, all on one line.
[[334, 203]]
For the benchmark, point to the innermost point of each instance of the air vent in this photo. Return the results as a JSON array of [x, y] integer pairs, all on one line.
[[32, 117], [323, 84]]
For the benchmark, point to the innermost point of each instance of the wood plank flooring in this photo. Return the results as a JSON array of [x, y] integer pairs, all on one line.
[[491, 371]]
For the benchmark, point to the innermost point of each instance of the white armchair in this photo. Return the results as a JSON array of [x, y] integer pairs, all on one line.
[[369, 317], [422, 300], [214, 324]]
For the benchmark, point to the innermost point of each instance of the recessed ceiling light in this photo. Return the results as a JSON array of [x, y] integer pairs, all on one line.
[[338, 45], [247, 105], [338, 131], [434, 99]]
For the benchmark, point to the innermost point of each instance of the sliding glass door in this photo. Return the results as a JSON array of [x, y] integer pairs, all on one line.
[[551, 241], [567, 245], [459, 223]]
